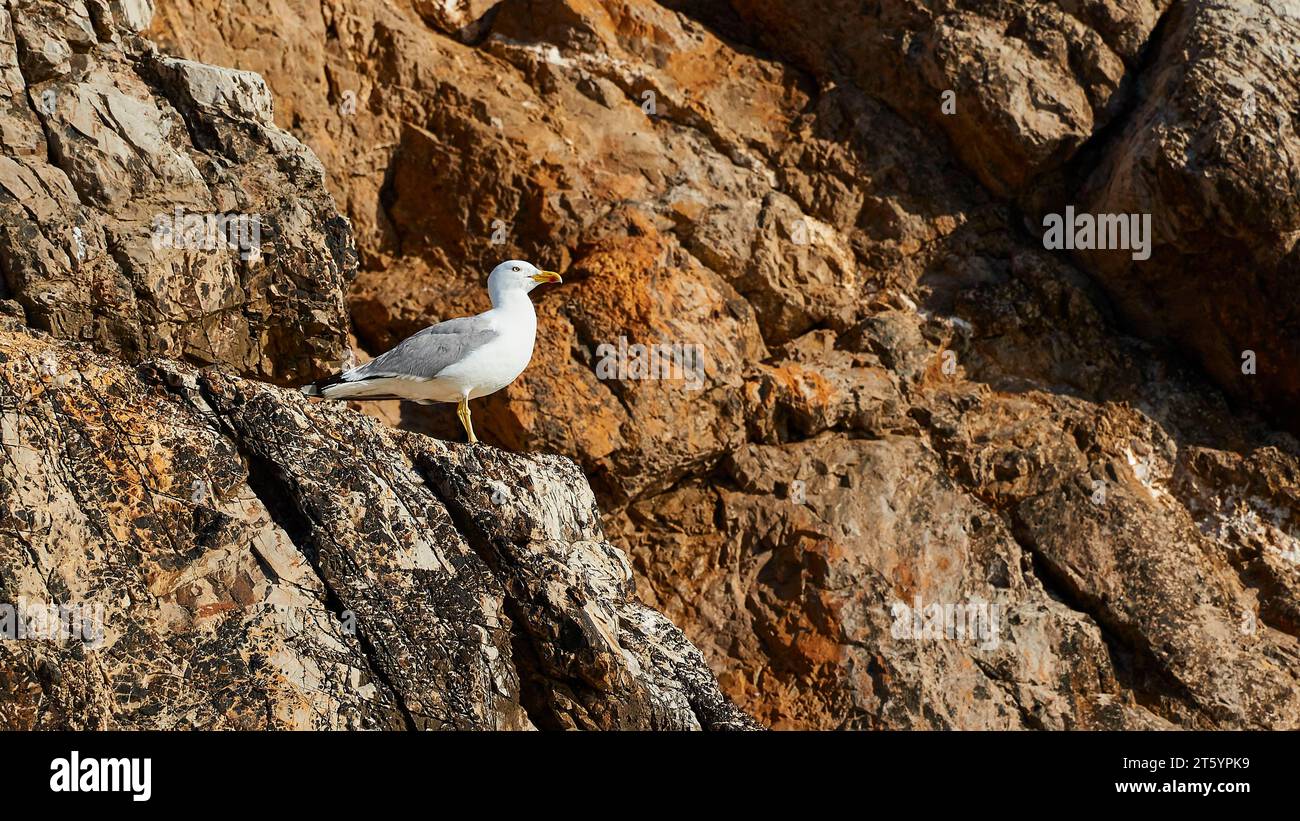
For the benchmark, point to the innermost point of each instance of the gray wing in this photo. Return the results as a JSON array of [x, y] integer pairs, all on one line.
[[428, 352]]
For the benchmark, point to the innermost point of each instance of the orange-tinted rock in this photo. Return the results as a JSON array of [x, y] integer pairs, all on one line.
[[906, 399]]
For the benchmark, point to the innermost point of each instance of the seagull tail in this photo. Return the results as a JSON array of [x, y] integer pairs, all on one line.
[[321, 387]]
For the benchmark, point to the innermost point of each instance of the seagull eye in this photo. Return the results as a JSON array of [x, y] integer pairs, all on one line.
[[515, 269]]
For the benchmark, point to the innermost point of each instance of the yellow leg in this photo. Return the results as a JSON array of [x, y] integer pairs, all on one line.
[[462, 410]]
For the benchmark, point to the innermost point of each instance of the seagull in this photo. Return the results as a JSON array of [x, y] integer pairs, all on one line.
[[457, 360]]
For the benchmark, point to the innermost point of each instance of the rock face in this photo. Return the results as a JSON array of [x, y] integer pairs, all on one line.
[[124, 169], [186, 549], [1212, 150], [1183, 111], [260, 562], [896, 465]]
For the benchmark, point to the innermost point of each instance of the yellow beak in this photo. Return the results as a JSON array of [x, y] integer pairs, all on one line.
[[546, 276]]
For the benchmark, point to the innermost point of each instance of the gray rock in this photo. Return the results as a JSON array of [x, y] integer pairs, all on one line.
[[150, 205], [257, 561]]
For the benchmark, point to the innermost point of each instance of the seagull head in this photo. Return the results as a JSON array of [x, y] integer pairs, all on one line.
[[517, 275]]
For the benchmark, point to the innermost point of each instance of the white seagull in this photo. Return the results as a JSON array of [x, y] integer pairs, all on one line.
[[457, 360]]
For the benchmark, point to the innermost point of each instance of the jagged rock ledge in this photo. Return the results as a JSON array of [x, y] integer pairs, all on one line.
[[265, 562]]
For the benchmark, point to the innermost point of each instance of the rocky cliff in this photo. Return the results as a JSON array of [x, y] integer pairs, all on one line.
[[266, 563], [928, 473], [228, 555]]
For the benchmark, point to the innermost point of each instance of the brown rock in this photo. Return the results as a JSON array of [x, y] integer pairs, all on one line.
[[237, 556], [254, 561], [1212, 153], [909, 403]]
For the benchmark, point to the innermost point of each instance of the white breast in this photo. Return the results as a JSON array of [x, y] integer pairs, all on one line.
[[498, 363]]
